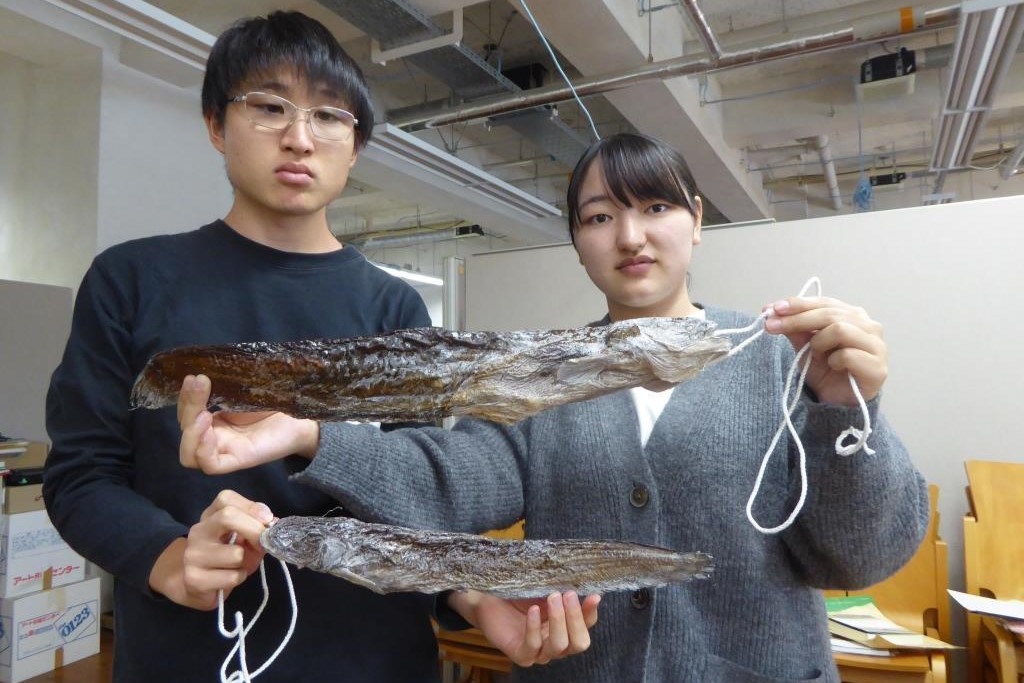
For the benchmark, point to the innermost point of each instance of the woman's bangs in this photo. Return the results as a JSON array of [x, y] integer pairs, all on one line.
[[641, 177]]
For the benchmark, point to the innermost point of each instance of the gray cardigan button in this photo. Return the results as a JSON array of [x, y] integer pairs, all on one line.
[[641, 599], [639, 496]]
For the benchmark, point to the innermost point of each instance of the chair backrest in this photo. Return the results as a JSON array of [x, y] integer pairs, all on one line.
[[915, 596], [994, 531], [993, 559], [514, 532]]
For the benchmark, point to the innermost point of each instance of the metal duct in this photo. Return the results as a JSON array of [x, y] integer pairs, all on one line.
[[682, 66], [543, 127], [396, 22], [377, 240]]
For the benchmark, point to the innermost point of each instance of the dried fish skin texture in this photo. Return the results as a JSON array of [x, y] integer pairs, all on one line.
[[430, 373], [388, 559]]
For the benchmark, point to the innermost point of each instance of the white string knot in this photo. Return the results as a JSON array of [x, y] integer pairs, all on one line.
[[240, 631], [801, 362]]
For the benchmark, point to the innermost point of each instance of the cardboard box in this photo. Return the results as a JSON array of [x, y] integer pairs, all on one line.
[[45, 630], [18, 499], [23, 454], [33, 556]]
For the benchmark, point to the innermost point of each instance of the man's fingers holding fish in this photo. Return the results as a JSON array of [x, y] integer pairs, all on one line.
[[193, 418]]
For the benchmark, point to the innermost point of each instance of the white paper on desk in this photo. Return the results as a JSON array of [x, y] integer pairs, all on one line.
[[853, 648], [1006, 609]]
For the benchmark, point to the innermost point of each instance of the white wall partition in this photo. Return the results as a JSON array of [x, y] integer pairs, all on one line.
[[36, 321], [159, 172]]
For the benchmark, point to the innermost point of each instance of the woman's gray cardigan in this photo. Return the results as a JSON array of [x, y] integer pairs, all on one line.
[[579, 471]]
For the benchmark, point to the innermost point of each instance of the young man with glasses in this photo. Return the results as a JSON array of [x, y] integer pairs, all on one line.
[[289, 111]]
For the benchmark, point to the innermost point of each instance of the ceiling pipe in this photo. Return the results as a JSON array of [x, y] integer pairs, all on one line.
[[865, 33], [819, 144], [700, 24], [828, 165]]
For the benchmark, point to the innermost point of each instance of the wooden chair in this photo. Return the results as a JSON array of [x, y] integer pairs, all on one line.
[[914, 597], [468, 650], [994, 565]]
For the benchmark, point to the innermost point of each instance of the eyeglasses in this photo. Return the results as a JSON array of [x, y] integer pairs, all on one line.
[[277, 113]]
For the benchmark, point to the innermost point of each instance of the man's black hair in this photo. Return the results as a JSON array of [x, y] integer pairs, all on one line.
[[260, 45]]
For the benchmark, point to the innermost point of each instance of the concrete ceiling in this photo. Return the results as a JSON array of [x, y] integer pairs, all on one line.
[[739, 129]]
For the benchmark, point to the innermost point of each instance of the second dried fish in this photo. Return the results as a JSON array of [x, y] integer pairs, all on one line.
[[389, 559], [429, 373]]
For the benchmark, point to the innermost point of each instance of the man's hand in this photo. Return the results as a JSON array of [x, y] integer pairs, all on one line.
[[223, 442], [192, 570]]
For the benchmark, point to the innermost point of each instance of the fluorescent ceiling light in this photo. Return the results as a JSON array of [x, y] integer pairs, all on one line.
[[418, 172], [987, 39], [146, 25], [410, 276], [433, 161]]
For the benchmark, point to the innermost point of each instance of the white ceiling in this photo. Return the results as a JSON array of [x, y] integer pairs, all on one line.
[[727, 124]]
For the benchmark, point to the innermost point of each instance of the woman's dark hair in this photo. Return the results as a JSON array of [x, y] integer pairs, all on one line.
[[259, 45], [635, 166]]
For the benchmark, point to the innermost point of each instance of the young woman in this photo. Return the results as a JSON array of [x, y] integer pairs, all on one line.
[[672, 468]]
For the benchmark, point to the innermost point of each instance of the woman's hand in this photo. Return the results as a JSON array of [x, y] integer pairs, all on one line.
[[192, 570], [844, 341], [531, 631], [224, 442]]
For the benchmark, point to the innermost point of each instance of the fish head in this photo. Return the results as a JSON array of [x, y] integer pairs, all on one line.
[[310, 541], [674, 349]]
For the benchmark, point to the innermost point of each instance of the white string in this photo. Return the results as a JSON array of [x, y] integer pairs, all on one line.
[[749, 340], [543, 39], [240, 631], [803, 362]]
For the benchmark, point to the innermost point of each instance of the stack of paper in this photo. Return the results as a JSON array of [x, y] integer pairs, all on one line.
[[1010, 611], [10, 447], [850, 647], [865, 624]]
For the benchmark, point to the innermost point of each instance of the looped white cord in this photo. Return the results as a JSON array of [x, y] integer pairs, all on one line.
[[240, 631], [860, 435], [788, 407]]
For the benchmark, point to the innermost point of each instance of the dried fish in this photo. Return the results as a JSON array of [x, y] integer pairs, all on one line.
[[429, 373], [389, 559]]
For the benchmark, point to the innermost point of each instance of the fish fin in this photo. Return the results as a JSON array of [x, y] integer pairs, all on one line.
[[578, 370], [676, 363], [359, 580], [590, 371]]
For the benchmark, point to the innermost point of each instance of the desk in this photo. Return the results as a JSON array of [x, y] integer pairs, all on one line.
[[908, 668]]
